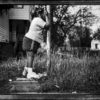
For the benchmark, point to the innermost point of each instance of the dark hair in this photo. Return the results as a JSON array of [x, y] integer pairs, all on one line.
[[40, 11], [37, 12]]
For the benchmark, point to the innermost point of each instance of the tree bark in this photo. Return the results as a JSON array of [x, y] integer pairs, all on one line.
[[49, 39]]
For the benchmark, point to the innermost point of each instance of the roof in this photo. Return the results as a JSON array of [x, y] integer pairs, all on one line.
[[50, 2]]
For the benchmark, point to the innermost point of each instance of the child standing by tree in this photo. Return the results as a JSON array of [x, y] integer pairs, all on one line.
[[33, 39]]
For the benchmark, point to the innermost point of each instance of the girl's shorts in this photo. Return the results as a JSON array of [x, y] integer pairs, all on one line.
[[30, 45]]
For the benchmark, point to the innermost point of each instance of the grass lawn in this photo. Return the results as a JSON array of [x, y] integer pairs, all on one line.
[[67, 73]]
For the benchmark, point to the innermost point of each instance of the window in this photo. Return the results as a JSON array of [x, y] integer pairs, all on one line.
[[18, 6], [96, 46]]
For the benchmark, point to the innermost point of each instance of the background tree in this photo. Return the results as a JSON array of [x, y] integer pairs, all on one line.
[[68, 21], [80, 36], [97, 34]]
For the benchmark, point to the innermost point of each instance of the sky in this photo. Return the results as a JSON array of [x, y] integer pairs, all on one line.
[[95, 9]]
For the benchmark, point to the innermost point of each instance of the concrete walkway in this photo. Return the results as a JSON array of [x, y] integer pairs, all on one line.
[[24, 85]]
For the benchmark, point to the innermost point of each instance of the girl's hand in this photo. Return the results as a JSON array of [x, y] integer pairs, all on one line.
[[44, 46], [45, 13]]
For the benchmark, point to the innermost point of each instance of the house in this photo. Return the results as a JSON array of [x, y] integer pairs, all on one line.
[[4, 27], [13, 20], [19, 19], [14, 23], [95, 45]]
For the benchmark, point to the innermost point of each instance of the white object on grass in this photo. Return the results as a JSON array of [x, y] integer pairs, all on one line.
[[10, 80]]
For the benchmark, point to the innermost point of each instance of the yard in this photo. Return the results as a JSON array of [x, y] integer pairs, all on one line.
[[67, 74]]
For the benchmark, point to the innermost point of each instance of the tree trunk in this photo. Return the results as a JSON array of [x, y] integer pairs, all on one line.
[[49, 39]]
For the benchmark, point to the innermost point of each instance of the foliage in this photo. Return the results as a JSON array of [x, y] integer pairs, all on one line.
[[68, 20], [80, 37], [97, 34]]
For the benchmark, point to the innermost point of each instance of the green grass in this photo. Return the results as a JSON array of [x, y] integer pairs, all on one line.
[[67, 74]]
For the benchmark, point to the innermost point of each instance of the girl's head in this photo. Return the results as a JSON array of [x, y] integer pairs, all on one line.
[[38, 13]]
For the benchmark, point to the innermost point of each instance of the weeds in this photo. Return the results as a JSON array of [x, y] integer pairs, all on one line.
[[75, 74], [67, 74]]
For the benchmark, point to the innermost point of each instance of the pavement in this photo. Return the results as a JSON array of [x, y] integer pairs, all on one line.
[[24, 85]]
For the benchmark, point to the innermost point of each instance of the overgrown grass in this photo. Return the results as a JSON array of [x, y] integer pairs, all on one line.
[[67, 74], [11, 69], [73, 74]]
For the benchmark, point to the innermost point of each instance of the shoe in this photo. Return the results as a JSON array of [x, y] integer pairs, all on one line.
[[43, 74], [24, 71], [32, 74]]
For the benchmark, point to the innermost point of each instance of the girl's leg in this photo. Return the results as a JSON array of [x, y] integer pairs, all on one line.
[[26, 45], [30, 58], [28, 62]]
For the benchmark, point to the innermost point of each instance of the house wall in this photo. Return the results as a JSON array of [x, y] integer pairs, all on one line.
[[16, 15], [12, 30], [4, 27], [20, 13], [95, 45]]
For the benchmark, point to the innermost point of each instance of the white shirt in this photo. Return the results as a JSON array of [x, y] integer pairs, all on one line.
[[35, 30]]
